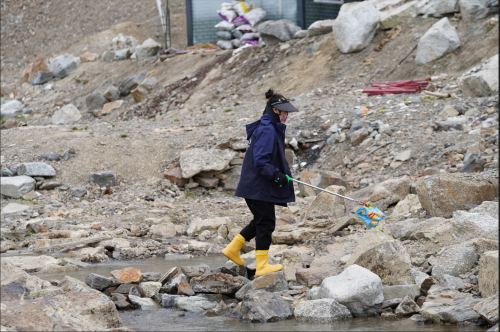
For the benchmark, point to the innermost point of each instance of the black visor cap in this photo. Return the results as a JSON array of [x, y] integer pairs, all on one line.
[[284, 105]]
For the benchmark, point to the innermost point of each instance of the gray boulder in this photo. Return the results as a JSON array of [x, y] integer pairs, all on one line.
[[482, 80], [148, 49], [271, 282], [11, 109], [104, 179], [69, 114], [323, 310], [194, 303], [359, 289], [467, 226], [274, 32], [437, 8], [454, 261], [63, 65], [131, 82], [320, 28], [355, 26], [262, 307], [490, 208], [194, 161], [473, 10], [398, 15], [149, 288], [16, 186], [95, 100], [440, 40], [42, 77], [36, 169], [98, 282], [231, 178]]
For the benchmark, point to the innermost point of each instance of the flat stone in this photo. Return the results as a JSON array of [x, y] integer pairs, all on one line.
[[108, 107], [405, 155], [175, 176], [320, 28], [193, 303], [218, 283], [14, 208], [400, 291], [51, 157], [16, 186], [454, 261], [195, 161], [195, 271], [78, 192], [127, 275]]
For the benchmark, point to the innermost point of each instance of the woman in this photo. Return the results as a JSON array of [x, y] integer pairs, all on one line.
[[265, 181]]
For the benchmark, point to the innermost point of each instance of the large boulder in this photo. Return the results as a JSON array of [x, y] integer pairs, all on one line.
[[488, 309], [454, 261], [490, 208], [359, 289], [63, 65], [274, 32], [441, 195], [148, 49], [488, 273], [199, 225], [322, 310], [467, 226], [261, 307], [195, 161], [321, 179], [482, 80], [438, 41], [17, 186], [381, 194], [11, 109], [35, 169], [320, 28], [218, 283], [355, 26], [32, 263], [438, 8], [68, 114], [398, 15], [327, 206]]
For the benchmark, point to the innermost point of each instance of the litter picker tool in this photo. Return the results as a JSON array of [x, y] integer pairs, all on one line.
[[369, 213]]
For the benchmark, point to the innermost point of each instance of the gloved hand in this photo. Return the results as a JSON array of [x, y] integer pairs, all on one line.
[[283, 179]]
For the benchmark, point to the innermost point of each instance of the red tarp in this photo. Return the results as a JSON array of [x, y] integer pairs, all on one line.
[[381, 88]]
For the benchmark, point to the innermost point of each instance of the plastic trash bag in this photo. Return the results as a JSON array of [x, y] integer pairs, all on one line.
[[243, 7], [371, 216], [225, 25], [227, 14], [255, 16], [245, 28], [236, 43], [252, 42], [236, 33], [240, 20], [224, 35], [225, 44], [250, 36]]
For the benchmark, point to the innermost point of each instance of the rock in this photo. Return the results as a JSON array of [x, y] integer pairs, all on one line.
[[320, 28], [458, 308], [123, 41], [11, 109], [437, 8], [358, 136], [143, 303], [490, 208], [108, 107], [381, 194], [274, 32], [67, 115], [440, 40], [473, 10], [199, 225], [300, 34], [127, 275], [357, 288], [63, 65], [131, 82], [14, 208], [30, 71], [327, 206], [409, 204], [263, 307], [319, 178], [104, 179], [98, 282], [399, 15], [473, 165], [9, 124], [7, 172], [466, 226], [195, 161], [448, 111], [108, 56], [207, 182], [89, 57], [218, 283], [149, 288], [112, 94], [195, 271], [488, 309], [323, 310], [194, 303], [31, 264], [454, 261], [291, 234], [184, 288], [168, 301], [35, 169], [144, 89], [355, 26], [407, 307], [175, 176], [482, 80], [401, 291], [405, 155], [19, 286], [488, 274], [453, 283], [42, 77], [51, 156], [148, 49], [49, 185], [220, 309], [16, 186], [123, 54], [441, 195], [78, 192], [166, 230], [95, 100], [231, 178]]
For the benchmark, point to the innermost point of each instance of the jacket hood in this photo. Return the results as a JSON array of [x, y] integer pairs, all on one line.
[[265, 120]]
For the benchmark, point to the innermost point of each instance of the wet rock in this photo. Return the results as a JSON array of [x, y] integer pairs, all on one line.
[[482, 80], [440, 40], [63, 65], [125, 289], [407, 307], [149, 288], [42, 77], [458, 308], [323, 310], [400, 291], [219, 283], [95, 100], [441, 195], [220, 309], [16, 186], [355, 26], [184, 288], [148, 49], [35, 169], [168, 301], [195, 161], [195, 271], [193, 303], [104, 179], [488, 309], [357, 288], [67, 115], [398, 15], [98, 282], [131, 82], [274, 32], [199, 225], [260, 307], [127, 275], [271, 282], [143, 303], [488, 273], [11, 109], [454, 261]]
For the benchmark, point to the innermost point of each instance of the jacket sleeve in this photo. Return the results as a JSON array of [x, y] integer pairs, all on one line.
[[263, 152]]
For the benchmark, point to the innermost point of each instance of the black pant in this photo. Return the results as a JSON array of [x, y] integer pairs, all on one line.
[[263, 223]]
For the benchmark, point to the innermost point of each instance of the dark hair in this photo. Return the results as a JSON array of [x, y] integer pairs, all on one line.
[[272, 96]]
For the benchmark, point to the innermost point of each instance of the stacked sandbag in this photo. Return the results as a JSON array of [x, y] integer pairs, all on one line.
[[239, 25]]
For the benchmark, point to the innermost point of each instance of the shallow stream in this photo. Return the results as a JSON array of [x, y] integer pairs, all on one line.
[[177, 320]]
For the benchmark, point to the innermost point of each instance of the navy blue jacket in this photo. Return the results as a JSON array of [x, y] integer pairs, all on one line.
[[264, 159]]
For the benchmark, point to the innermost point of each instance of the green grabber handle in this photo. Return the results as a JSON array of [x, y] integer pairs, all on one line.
[[289, 180]]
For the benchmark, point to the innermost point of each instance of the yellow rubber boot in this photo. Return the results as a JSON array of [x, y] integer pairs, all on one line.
[[262, 267], [232, 251]]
